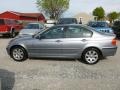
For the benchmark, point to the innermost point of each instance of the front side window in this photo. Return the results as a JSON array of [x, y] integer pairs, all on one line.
[[53, 33], [77, 32]]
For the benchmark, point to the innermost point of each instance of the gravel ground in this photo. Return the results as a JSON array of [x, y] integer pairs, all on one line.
[[58, 74]]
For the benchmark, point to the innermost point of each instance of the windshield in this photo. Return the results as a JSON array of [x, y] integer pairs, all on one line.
[[98, 24], [2, 22], [32, 26], [67, 21]]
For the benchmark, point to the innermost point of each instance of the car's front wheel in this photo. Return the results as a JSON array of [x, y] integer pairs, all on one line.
[[18, 54], [91, 56]]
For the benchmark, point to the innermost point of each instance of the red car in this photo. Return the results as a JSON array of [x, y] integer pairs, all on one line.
[[9, 27]]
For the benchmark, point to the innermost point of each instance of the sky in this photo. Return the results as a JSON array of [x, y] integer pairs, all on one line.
[[76, 6]]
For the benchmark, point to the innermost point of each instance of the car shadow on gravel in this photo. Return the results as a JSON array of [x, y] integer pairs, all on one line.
[[4, 37], [7, 80], [53, 59]]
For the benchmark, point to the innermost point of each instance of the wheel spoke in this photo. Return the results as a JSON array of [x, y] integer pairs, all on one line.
[[91, 56], [18, 54]]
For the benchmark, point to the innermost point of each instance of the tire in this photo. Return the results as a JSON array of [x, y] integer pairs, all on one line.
[[18, 54], [12, 34], [91, 56]]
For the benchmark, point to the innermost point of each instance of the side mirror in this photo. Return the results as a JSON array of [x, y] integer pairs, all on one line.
[[42, 37], [37, 37]]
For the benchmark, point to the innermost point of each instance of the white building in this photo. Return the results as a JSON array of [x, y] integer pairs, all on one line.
[[84, 17]]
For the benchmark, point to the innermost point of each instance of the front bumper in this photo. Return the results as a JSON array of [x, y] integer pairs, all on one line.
[[109, 51]]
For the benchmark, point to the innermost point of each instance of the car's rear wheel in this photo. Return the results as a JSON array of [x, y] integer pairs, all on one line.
[[91, 56], [18, 54]]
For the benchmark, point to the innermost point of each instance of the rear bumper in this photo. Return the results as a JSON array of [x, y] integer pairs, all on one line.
[[109, 51]]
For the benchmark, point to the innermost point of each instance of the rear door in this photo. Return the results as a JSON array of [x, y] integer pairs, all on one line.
[[76, 38]]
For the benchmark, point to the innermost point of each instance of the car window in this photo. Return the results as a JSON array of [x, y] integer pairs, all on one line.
[[41, 26], [2, 22], [53, 33], [8, 22], [32, 26], [77, 32], [98, 24]]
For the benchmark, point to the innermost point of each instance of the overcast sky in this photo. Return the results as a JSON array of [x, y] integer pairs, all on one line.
[[76, 6]]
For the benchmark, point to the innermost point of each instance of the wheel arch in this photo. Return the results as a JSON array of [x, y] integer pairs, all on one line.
[[101, 54], [19, 46]]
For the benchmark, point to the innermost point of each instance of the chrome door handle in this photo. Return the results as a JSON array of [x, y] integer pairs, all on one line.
[[58, 41]]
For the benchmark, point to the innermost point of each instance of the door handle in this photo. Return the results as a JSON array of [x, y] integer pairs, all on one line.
[[58, 41], [83, 40]]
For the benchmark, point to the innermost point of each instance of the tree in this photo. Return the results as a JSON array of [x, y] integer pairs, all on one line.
[[112, 16], [99, 13], [53, 8], [119, 15]]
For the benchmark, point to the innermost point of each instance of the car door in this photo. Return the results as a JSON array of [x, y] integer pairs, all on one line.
[[76, 39], [48, 44]]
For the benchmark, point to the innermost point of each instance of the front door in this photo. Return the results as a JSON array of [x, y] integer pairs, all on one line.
[[49, 43]]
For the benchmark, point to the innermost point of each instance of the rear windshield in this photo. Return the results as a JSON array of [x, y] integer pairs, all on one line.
[[2, 22]]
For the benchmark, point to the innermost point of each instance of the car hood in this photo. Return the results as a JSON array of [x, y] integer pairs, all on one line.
[[22, 38]]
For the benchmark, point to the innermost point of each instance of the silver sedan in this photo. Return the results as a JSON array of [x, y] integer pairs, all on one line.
[[64, 41]]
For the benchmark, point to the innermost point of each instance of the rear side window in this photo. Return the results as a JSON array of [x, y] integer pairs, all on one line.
[[54, 33], [77, 32], [2, 22]]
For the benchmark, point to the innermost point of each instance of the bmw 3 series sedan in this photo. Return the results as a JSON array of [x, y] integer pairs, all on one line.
[[64, 41]]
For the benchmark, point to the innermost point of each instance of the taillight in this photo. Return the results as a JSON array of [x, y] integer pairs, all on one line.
[[114, 42]]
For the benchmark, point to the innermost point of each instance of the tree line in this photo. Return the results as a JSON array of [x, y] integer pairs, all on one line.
[[55, 8], [100, 14]]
